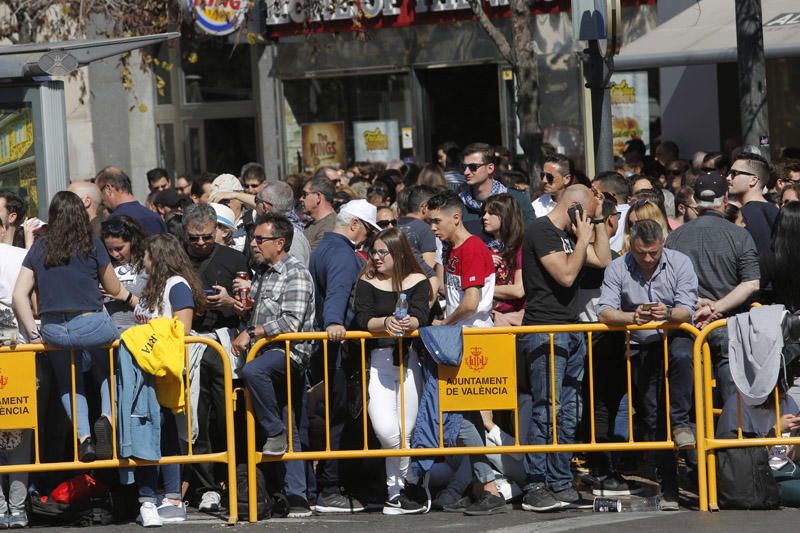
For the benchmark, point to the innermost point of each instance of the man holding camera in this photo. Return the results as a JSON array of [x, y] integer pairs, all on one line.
[[654, 284], [556, 248]]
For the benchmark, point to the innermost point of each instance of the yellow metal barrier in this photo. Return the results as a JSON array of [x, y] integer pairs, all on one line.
[[255, 456], [227, 457], [707, 445]]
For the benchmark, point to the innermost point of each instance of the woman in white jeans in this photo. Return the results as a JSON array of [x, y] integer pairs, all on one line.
[[391, 271]]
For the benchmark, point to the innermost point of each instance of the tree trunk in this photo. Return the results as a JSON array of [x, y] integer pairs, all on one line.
[[526, 72]]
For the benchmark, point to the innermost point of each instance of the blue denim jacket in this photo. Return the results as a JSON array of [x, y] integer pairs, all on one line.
[[444, 345], [138, 413]]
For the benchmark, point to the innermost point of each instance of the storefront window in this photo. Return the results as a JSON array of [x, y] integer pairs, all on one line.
[[214, 71], [374, 107], [18, 154], [166, 146]]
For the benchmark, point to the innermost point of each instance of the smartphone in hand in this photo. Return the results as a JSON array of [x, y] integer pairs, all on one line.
[[573, 213]]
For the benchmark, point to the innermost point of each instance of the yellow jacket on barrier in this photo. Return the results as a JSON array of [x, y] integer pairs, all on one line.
[[158, 348]]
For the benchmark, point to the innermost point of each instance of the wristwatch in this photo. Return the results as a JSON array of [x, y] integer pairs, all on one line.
[[597, 221], [251, 332], [669, 314]]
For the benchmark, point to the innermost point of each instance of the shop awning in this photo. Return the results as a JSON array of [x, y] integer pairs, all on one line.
[[62, 58], [706, 34]]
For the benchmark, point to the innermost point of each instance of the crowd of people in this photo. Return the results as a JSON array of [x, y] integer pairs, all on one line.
[[391, 248]]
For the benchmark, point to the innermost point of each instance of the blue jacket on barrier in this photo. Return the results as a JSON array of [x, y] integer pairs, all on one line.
[[445, 346], [138, 413]]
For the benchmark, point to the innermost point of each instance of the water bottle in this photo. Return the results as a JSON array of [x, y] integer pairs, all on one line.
[[779, 454], [401, 311], [631, 504]]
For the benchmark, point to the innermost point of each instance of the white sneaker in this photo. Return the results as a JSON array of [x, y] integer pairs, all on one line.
[[171, 513], [148, 515], [210, 502]]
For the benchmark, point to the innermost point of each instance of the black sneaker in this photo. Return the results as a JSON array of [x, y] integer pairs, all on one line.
[[401, 504], [459, 506], [420, 492], [103, 437], [487, 504], [615, 485], [86, 452], [571, 499], [298, 507], [540, 500], [336, 502]]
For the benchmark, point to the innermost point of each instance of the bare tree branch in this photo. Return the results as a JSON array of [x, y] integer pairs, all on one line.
[[494, 33]]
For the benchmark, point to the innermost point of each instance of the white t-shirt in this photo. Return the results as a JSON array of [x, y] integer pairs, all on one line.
[[543, 205], [470, 265], [144, 315], [11, 258]]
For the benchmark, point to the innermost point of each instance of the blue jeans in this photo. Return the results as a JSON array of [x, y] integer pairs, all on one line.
[[265, 377], [552, 469], [79, 331], [147, 476]]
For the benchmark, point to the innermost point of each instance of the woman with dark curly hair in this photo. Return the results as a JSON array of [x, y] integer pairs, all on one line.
[[173, 290], [124, 239], [67, 266]]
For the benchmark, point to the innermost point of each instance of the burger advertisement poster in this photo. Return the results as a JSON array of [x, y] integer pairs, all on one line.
[[376, 140], [630, 109]]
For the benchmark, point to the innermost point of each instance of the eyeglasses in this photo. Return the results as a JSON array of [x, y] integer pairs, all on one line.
[[380, 253], [472, 167], [386, 223], [639, 203], [549, 177], [198, 238], [733, 173], [261, 240], [306, 193], [260, 201], [687, 206], [251, 185]]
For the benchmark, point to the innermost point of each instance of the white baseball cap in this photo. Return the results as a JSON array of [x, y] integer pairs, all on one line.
[[226, 183], [362, 210]]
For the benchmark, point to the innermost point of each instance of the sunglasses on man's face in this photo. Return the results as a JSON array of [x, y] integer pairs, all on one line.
[[733, 173], [386, 223], [472, 167], [198, 238], [549, 177]]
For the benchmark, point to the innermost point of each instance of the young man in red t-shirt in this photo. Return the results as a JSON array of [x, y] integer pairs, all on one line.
[[469, 285]]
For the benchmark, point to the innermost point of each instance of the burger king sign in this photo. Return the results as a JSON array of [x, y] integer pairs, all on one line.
[[218, 17]]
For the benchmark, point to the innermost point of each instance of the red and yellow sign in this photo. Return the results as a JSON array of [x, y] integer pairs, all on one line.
[[323, 145], [18, 390], [486, 378]]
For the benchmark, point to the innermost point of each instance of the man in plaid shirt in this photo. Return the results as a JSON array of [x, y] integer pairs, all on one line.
[[283, 294]]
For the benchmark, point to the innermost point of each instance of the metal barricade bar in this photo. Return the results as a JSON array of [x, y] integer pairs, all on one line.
[[255, 456], [228, 456]]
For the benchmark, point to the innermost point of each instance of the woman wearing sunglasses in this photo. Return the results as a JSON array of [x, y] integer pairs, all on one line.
[[124, 240], [392, 270]]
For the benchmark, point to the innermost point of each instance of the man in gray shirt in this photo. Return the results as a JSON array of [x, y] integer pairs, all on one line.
[[645, 285], [726, 262]]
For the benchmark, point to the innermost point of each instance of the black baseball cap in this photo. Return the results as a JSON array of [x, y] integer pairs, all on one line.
[[710, 186]]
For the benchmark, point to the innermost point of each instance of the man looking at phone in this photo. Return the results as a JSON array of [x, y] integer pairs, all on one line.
[[217, 266], [653, 284], [556, 248]]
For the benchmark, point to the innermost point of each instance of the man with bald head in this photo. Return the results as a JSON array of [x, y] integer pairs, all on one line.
[[556, 248], [92, 200], [117, 195]]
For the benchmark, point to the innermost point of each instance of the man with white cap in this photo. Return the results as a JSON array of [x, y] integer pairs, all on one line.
[[335, 268], [228, 183]]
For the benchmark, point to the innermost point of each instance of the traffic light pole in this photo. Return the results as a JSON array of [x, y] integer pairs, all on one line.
[[752, 75], [598, 70]]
